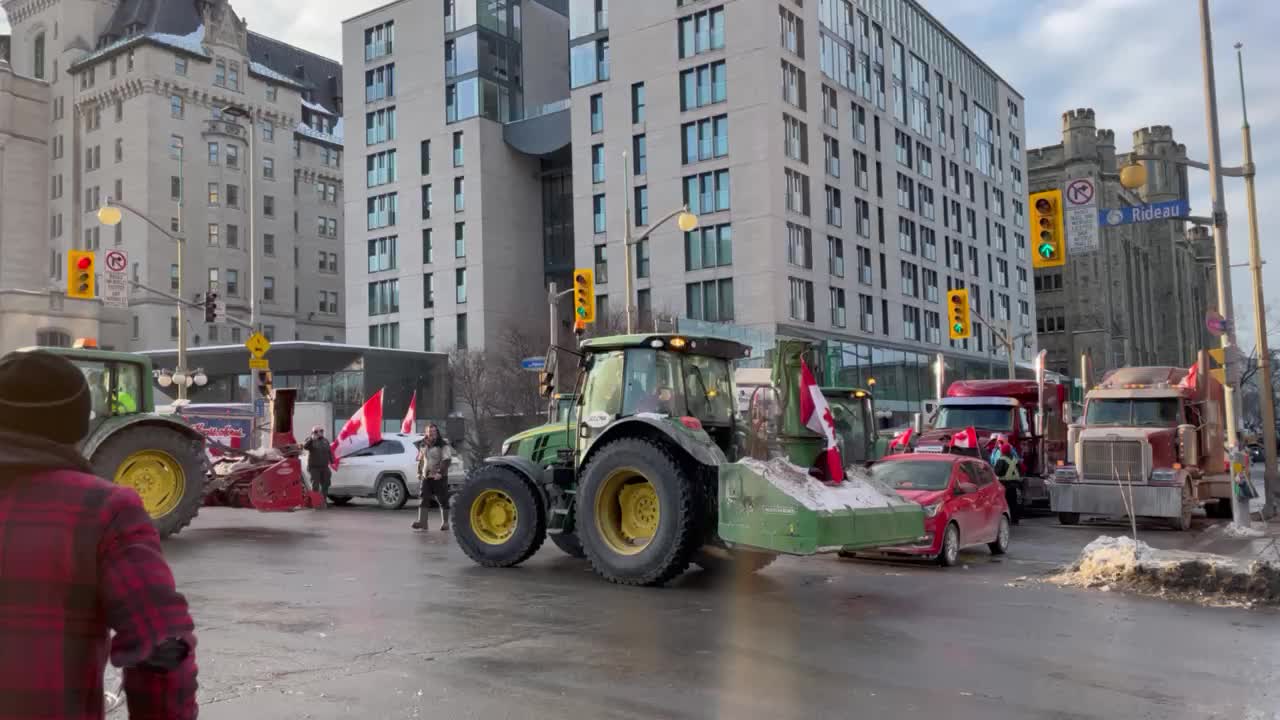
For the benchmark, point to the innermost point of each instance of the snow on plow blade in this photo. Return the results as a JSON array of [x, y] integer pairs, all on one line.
[[777, 506]]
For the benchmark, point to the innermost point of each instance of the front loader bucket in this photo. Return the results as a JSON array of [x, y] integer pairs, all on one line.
[[776, 506]]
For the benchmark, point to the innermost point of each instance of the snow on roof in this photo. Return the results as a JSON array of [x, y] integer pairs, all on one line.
[[335, 137], [317, 107], [192, 42], [261, 70]]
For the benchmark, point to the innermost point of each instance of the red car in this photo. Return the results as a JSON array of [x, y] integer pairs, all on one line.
[[963, 503]]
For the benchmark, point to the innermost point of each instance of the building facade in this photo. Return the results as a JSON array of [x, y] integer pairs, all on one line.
[[136, 98], [449, 185], [849, 162], [1139, 299]]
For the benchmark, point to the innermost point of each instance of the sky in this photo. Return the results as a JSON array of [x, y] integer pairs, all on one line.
[[1135, 62]]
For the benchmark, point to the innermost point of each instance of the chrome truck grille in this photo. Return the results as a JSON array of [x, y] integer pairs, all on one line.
[[1105, 460]]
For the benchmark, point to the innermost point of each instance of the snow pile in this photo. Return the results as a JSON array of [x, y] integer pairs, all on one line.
[[1122, 563], [859, 491], [192, 42], [1236, 531]]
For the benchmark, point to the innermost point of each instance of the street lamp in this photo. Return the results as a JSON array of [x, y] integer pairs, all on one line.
[[110, 215]]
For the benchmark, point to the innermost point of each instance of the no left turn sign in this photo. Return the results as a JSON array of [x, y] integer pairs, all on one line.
[[1080, 192]]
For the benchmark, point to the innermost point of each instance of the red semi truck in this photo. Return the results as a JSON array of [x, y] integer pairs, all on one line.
[[1031, 415], [1151, 440]]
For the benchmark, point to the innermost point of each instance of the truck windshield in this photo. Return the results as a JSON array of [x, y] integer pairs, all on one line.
[[992, 417], [1126, 412]]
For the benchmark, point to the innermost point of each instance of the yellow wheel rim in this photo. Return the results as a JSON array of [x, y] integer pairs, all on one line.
[[494, 517], [157, 477], [627, 511]]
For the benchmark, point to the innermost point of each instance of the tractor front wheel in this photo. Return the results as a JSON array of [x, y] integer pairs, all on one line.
[[165, 468], [498, 519], [636, 514]]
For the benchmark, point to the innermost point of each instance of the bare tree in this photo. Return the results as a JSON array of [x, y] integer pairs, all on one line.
[[474, 392]]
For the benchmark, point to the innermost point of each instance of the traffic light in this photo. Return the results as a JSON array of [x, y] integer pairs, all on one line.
[[959, 327], [264, 383], [1048, 239], [584, 296], [80, 274], [211, 307]]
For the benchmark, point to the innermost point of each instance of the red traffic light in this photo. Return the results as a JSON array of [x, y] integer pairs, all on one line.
[[84, 263], [1044, 206]]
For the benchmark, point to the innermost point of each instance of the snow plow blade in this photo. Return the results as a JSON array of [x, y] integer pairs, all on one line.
[[777, 506]]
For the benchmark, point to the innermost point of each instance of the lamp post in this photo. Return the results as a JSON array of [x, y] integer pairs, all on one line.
[[110, 215], [685, 220], [240, 112]]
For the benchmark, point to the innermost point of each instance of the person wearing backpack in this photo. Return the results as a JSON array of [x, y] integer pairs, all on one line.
[[1005, 461]]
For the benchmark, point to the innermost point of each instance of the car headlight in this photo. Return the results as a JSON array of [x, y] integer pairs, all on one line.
[[931, 510]]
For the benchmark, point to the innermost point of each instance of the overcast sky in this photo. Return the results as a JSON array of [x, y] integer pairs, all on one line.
[[1136, 62]]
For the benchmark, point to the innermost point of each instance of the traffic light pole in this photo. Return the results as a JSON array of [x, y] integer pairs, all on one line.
[[186, 303]]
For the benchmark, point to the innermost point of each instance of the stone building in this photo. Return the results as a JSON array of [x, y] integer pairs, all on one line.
[[127, 101], [1140, 298]]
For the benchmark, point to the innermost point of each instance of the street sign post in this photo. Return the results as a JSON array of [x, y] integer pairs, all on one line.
[[258, 345], [115, 290], [534, 364], [259, 364], [1144, 213], [1081, 217]]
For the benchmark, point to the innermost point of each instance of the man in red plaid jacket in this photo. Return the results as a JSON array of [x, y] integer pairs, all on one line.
[[78, 557]]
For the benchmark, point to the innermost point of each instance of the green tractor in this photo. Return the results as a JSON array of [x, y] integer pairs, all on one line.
[[636, 475], [160, 457]]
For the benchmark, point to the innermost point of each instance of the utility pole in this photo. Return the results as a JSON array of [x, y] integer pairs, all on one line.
[[1222, 251], [1265, 392], [181, 369]]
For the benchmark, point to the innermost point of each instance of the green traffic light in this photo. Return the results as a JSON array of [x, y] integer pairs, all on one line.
[[1047, 250], [959, 328], [582, 312]]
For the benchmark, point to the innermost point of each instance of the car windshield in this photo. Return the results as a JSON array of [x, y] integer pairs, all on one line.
[[913, 474], [994, 417], [1130, 412]]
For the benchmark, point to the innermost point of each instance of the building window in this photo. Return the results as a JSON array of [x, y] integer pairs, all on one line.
[[707, 192], [708, 247], [911, 323], [428, 254], [601, 264], [268, 132], [799, 246], [429, 335], [386, 335], [795, 139], [268, 168], [832, 148], [459, 240], [598, 219], [639, 155], [705, 139], [703, 85], [642, 259], [711, 301], [382, 211], [460, 285], [384, 297], [910, 279], [637, 103], [268, 288], [233, 156], [428, 290], [835, 211], [212, 280], [837, 308], [597, 113], [866, 313], [835, 256], [37, 57], [233, 283], [642, 205], [233, 236], [380, 168], [382, 254], [801, 306], [379, 40], [589, 63], [458, 156], [797, 189], [380, 126], [271, 93], [459, 195], [173, 277], [460, 330], [177, 107], [427, 202], [597, 163], [214, 233], [268, 245], [792, 31], [701, 32], [793, 85], [866, 275], [380, 83]]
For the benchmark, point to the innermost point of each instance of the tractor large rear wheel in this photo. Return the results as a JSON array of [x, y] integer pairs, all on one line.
[[498, 519], [637, 514], [165, 468]]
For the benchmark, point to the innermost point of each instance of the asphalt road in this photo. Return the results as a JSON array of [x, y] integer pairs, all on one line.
[[347, 613]]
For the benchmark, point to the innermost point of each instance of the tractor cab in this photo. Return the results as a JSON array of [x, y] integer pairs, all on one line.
[[683, 382], [120, 383]]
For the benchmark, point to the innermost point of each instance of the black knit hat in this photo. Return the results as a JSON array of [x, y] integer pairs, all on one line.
[[45, 395]]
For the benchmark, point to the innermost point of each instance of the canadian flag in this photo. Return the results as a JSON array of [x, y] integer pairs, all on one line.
[[966, 438], [901, 441], [363, 430], [816, 415], [1193, 374], [410, 417]]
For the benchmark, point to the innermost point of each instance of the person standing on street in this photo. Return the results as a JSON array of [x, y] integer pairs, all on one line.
[[434, 458], [79, 559], [319, 463], [1005, 462]]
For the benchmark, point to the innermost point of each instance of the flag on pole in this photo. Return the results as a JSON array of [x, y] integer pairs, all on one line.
[[410, 417], [363, 430], [901, 441], [816, 415], [966, 438]]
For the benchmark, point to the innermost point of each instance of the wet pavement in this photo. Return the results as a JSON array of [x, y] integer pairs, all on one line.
[[347, 613]]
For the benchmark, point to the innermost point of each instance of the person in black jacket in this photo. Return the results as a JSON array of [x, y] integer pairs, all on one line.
[[319, 460]]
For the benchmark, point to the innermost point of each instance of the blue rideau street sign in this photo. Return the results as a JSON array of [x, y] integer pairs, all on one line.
[[534, 363], [1144, 213]]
